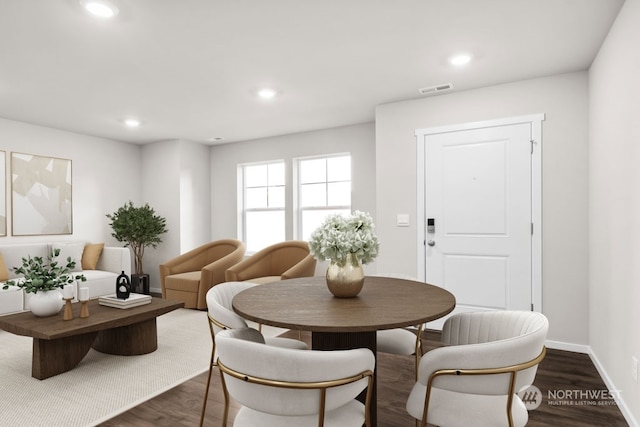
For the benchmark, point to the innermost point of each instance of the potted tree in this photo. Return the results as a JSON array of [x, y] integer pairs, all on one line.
[[138, 227]]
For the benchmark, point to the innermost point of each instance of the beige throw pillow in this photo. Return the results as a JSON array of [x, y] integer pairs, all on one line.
[[4, 273], [91, 255]]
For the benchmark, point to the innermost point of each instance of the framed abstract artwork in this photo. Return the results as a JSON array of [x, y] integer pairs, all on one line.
[[3, 193], [40, 195]]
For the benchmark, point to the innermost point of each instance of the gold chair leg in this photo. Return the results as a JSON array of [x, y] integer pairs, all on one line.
[[206, 395], [212, 363], [418, 350]]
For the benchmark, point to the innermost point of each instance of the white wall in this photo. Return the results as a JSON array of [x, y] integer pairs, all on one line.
[[172, 176], [161, 189], [105, 174], [564, 101], [195, 196], [176, 184], [359, 140], [614, 209]]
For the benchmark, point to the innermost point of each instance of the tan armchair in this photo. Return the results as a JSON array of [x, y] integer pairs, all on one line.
[[189, 276], [285, 260]]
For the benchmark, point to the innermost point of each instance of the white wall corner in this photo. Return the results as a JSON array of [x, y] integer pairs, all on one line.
[[619, 397]]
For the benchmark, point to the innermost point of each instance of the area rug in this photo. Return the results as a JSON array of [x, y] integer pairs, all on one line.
[[101, 386]]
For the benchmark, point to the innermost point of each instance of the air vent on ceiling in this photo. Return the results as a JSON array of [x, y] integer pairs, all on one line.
[[435, 89]]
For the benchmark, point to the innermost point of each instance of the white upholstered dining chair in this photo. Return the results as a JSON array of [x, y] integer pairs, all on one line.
[[222, 317], [281, 387], [401, 341], [473, 380]]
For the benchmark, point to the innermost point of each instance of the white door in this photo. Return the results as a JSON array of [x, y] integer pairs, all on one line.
[[478, 213]]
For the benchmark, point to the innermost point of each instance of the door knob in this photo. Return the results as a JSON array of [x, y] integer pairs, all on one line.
[[431, 243]]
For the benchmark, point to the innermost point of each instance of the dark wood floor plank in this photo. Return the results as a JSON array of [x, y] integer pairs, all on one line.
[[560, 371]]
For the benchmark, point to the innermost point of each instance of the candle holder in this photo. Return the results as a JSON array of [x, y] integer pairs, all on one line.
[[68, 310], [83, 296], [84, 309]]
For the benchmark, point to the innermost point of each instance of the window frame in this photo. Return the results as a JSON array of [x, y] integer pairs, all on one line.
[[297, 194], [242, 198]]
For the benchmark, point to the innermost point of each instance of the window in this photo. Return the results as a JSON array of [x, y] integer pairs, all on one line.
[[263, 204], [324, 187]]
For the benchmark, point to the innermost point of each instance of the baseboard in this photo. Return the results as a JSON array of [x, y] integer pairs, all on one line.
[[576, 348], [626, 413], [585, 349]]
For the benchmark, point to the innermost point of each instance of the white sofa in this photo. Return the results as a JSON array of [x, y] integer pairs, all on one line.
[[101, 281]]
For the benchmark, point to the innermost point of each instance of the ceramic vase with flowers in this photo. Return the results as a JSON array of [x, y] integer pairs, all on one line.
[[347, 242], [45, 279]]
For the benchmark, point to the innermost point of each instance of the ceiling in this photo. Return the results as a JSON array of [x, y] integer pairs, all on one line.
[[190, 69]]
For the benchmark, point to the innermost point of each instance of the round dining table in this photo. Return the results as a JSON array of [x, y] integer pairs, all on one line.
[[306, 304]]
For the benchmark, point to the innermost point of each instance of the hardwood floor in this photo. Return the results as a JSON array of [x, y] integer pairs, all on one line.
[[568, 382]]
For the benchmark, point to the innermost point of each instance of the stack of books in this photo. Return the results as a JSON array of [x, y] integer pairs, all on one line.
[[134, 300]]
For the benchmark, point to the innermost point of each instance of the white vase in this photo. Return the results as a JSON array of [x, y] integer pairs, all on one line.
[[46, 303]]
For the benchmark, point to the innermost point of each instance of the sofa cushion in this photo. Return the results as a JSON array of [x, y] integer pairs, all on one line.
[[91, 255], [70, 250], [99, 283], [187, 282], [13, 254], [11, 300], [99, 274], [4, 272]]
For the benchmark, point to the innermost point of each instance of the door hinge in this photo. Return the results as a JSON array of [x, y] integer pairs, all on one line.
[[532, 229], [532, 307]]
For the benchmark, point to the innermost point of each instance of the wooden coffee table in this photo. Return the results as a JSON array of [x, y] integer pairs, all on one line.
[[59, 345]]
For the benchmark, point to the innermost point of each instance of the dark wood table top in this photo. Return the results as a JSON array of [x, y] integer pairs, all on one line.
[[306, 304], [100, 318]]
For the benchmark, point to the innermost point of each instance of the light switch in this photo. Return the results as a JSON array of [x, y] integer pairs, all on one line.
[[402, 220]]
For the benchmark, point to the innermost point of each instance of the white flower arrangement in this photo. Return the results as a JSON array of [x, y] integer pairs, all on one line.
[[339, 236]]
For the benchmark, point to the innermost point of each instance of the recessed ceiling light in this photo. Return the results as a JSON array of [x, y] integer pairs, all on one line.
[[460, 59], [215, 139], [132, 123], [100, 8], [267, 93]]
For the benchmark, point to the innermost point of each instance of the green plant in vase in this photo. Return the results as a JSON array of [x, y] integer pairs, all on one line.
[[38, 275], [45, 279]]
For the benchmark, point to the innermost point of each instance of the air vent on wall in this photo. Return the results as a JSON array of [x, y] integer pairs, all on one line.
[[435, 89]]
